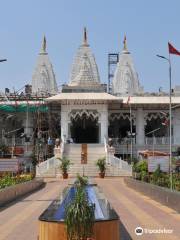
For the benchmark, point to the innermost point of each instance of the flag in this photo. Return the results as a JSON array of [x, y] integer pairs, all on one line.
[[166, 122], [128, 101], [173, 50]]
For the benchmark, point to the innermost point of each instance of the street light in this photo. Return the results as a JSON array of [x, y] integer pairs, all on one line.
[[3, 60], [170, 119]]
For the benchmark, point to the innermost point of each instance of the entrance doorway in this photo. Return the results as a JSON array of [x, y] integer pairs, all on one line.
[[84, 129]]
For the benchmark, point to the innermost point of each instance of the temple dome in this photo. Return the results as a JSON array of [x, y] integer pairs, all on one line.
[[43, 79], [84, 69], [125, 81]]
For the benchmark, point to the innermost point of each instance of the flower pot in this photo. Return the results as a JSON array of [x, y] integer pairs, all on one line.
[[102, 174], [65, 175]]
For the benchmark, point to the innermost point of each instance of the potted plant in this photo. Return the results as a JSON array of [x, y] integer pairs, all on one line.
[[80, 213], [64, 166], [101, 163]]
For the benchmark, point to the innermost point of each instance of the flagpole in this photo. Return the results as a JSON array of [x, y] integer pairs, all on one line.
[[170, 119], [170, 124]]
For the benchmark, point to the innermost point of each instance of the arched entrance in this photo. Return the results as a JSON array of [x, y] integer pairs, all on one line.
[[84, 126]]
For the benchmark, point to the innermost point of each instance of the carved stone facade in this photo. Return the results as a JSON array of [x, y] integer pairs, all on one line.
[[97, 112]]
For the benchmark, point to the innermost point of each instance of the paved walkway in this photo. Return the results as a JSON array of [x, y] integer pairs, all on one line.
[[137, 210], [19, 220]]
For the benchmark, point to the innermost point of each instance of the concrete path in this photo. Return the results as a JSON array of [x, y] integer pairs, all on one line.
[[137, 210], [20, 220]]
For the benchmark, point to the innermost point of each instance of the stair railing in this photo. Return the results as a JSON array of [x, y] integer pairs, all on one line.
[[119, 163], [44, 167]]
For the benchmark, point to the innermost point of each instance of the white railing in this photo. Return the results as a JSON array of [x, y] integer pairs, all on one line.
[[119, 163], [120, 141], [157, 140], [47, 167]]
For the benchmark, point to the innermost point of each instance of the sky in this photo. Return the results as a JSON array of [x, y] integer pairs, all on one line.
[[148, 25]]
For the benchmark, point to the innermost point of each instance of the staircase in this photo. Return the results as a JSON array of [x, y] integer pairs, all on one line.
[[73, 152]]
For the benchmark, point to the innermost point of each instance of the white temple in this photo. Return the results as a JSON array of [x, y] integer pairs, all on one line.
[[83, 113]]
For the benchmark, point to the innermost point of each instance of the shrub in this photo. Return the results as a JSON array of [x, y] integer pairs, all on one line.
[[80, 214], [7, 180]]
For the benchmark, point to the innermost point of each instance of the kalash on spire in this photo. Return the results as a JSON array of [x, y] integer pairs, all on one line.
[[125, 49], [43, 46], [85, 40]]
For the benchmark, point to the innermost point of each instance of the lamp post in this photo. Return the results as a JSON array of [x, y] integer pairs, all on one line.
[[3, 60], [170, 119]]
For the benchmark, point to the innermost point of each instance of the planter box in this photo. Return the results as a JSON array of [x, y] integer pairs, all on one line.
[[11, 193], [163, 195]]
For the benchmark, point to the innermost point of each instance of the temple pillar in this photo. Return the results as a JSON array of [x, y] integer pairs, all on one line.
[[64, 122], [103, 123], [140, 136]]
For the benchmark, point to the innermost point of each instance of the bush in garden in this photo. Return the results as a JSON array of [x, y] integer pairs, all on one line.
[[8, 180]]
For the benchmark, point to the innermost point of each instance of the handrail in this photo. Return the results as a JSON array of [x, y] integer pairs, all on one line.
[[121, 164], [49, 164]]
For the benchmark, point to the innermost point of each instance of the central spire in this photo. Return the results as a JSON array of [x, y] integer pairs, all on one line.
[[43, 46], [85, 42]]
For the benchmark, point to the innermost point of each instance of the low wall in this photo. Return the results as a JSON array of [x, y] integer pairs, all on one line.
[[11, 193], [160, 194]]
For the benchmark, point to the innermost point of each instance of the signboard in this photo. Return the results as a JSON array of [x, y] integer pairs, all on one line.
[[9, 165], [154, 161]]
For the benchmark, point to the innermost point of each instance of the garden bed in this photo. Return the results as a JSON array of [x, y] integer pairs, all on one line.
[[13, 192]]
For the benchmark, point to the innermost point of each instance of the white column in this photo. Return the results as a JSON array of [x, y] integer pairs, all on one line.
[[64, 122], [176, 126], [140, 127], [103, 122]]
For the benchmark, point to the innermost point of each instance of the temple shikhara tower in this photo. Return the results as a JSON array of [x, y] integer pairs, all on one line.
[[43, 79], [88, 121], [126, 82]]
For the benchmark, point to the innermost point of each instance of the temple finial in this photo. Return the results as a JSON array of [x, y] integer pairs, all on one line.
[[85, 37], [43, 47], [125, 44]]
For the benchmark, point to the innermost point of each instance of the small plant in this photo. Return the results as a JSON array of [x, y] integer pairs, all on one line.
[[101, 163], [64, 166], [80, 215], [81, 181]]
